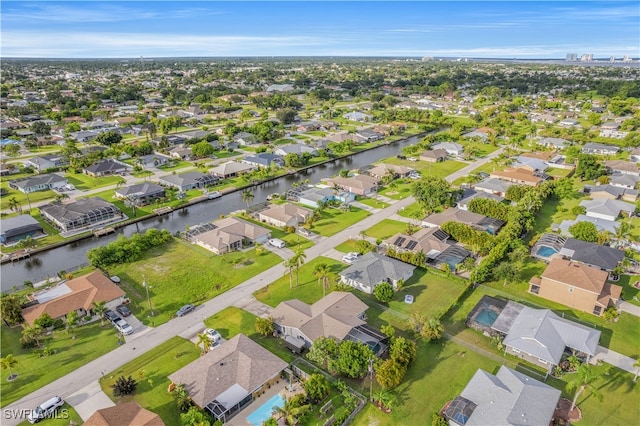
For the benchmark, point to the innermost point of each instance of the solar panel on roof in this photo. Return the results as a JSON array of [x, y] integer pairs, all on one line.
[[412, 245], [398, 241]]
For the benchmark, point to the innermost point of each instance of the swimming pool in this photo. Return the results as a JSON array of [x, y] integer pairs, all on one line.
[[545, 251], [486, 317], [263, 413]]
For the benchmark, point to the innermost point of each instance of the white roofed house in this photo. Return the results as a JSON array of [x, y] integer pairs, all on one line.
[[605, 208], [231, 169], [142, 193], [189, 180], [454, 149], [296, 148], [373, 269], [48, 161], [38, 183]]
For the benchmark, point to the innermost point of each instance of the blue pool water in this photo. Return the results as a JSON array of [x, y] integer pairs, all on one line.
[[486, 317], [545, 251], [263, 413]]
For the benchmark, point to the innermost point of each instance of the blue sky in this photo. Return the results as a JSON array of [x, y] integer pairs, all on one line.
[[506, 29]]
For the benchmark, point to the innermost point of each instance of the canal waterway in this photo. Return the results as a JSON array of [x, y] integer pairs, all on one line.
[[69, 257]]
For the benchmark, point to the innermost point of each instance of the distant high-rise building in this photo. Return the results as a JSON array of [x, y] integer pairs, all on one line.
[[572, 57], [612, 59], [626, 58], [587, 57]]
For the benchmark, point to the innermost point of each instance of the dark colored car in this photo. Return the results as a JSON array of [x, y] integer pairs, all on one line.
[[123, 310], [185, 310], [111, 316]]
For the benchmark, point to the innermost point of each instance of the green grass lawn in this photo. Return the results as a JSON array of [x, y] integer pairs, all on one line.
[[335, 220], [21, 197], [412, 211], [558, 173], [426, 168], [386, 228], [308, 290], [175, 165], [400, 190], [85, 183], [65, 416], [151, 371], [147, 209], [555, 211], [372, 202], [628, 290], [53, 235], [347, 246], [91, 342], [169, 272]]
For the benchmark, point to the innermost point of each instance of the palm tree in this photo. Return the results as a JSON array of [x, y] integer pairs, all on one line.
[[433, 329], [323, 272], [72, 322], [584, 382], [100, 308], [247, 197], [14, 204], [31, 334], [291, 410], [298, 260], [290, 267], [7, 363], [636, 365], [204, 342]]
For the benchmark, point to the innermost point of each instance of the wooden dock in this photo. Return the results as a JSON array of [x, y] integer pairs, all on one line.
[[20, 254], [163, 210], [102, 232]]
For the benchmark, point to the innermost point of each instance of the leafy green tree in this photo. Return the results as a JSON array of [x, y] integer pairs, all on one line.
[[429, 328], [585, 231], [390, 373], [323, 350], [384, 292], [182, 398], [202, 149], [293, 409], [316, 387], [124, 386], [264, 326], [195, 417], [109, 138], [364, 246], [40, 128], [403, 350], [31, 336], [43, 321], [589, 167], [286, 116], [388, 330], [563, 188], [508, 272], [27, 242], [583, 382], [7, 363], [353, 359], [433, 192], [99, 308], [11, 309]]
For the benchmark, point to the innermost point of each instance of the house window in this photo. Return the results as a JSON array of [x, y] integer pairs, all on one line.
[[515, 350], [542, 361], [535, 289], [597, 310], [570, 289]]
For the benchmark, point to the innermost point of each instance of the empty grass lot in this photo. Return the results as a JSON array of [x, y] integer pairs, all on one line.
[[426, 168], [334, 220], [387, 228], [151, 371], [91, 342], [372, 202], [169, 272], [85, 183]]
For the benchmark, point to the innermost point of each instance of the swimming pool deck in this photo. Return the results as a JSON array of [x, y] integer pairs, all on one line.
[[241, 418]]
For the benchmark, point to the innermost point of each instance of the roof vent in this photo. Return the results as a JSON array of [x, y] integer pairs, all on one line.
[[222, 364]]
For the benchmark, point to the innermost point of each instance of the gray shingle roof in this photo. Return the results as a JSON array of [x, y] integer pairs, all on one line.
[[374, 268], [592, 254]]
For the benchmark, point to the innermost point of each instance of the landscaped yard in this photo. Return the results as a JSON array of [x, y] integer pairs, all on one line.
[[151, 371], [555, 211], [85, 182], [21, 197], [308, 290], [347, 246], [412, 211], [426, 168], [147, 209], [373, 202], [169, 271], [34, 371], [387, 228], [292, 240], [334, 220]]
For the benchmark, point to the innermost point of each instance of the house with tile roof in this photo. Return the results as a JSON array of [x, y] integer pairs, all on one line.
[[359, 184], [339, 315], [379, 171], [577, 286], [520, 176], [227, 379], [282, 215], [433, 155], [127, 414], [373, 269], [77, 294], [230, 234]]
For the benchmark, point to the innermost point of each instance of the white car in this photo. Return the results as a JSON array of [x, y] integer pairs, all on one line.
[[46, 409], [350, 257], [123, 326], [213, 335]]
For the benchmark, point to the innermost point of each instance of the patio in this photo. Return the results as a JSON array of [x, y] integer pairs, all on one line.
[[282, 387]]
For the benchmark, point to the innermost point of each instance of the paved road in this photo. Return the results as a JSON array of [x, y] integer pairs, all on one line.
[[190, 324]]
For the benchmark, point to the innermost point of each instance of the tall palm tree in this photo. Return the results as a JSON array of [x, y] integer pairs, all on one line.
[[291, 410], [100, 307], [204, 342], [247, 197], [72, 322], [13, 204], [290, 267], [584, 382], [31, 334], [7, 363], [323, 272], [298, 260]]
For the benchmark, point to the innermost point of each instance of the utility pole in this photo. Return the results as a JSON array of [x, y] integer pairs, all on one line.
[[144, 283]]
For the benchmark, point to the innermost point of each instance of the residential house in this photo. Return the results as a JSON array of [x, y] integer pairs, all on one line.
[[600, 148], [230, 377], [452, 148], [359, 184], [315, 196], [569, 122], [507, 398], [84, 135], [153, 160], [106, 168], [635, 155], [230, 169], [125, 414], [82, 214], [373, 269], [48, 161], [623, 167], [181, 152], [18, 228], [543, 118], [77, 294], [141, 193], [280, 88], [189, 180], [380, 171], [530, 163], [433, 155], [469, 195], [230, 234], [624, 181], [483, 136], [475, 220], [282, 215], [368, 135], [38, 183], [607, 209], [296, 148], [493, 186], [339, 315], [555, 143], [357, 116], [592, 254], [611, 192], [341, 137], [541, 337], [576, 285], [265, 160], [601, 224], [308, 126], [520, 176], [244, 138], [611, 129]]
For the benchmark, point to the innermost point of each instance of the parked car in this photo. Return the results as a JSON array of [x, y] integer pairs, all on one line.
[[115, 279], [214, 336], [401, 157], [350, 257], [278, 243], [46, 409], [123, 327], [123, 310], [185, 310], [214, 194], [111, 316]]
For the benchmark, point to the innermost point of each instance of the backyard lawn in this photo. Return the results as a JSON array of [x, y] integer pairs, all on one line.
[[308, 289], [34, 371], [85, 182], [334, 220], [399, 190], [148, 209], [169, 272], [150, 370], [387, 228]]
